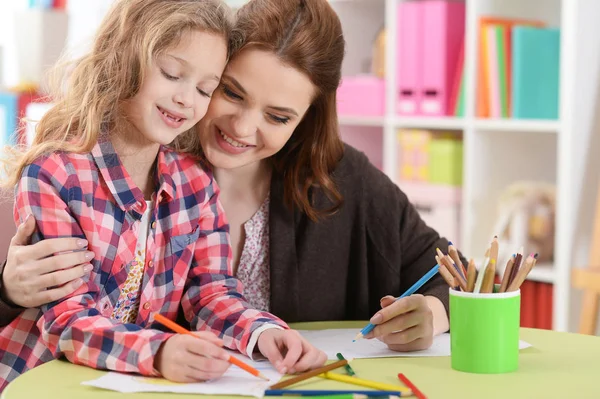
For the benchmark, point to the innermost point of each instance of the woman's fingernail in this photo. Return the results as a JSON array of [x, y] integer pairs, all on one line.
[[28, 217], [292, 371], [89, 255], [378, 318], [82, 243], [283, 370], [88, 268]]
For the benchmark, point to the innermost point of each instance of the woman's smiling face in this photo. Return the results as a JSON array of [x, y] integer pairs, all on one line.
[[255, 110]]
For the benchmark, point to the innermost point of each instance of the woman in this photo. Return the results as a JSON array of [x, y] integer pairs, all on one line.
[[317, 232]]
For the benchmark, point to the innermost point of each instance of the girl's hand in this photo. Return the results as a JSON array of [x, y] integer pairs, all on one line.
[[33, 277], [184, 358], [288, 352], [404, 325]]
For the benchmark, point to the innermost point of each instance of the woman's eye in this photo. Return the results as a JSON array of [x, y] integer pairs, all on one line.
[[230, 93], [170, 77], [278, 119]]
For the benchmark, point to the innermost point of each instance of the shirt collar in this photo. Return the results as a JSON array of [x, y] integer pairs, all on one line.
[[126, 194]]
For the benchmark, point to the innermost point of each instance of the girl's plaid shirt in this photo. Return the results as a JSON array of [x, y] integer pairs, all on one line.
[[188, 263]]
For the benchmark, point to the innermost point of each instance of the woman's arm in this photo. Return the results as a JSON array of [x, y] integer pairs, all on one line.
[[402, 236], [31, 276]]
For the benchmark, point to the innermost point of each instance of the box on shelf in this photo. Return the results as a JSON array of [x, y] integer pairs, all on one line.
[[438, 205], [413, 150], [446, 160], [362, 95]]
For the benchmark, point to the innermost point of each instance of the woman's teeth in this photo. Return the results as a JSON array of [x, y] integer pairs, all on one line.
[[232, 141]]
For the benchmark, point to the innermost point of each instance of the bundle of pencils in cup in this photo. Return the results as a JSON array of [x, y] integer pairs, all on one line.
[[482, 280]]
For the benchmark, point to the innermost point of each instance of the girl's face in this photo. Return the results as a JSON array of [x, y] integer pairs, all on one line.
[[177, 87], [255, 110]]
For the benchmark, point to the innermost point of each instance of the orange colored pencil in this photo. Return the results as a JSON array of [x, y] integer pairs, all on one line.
[[232, 359]]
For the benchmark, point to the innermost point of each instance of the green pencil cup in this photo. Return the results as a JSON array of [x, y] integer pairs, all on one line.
[[484, 331]]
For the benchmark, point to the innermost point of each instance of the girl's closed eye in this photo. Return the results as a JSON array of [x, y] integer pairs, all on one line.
[[168, 76]]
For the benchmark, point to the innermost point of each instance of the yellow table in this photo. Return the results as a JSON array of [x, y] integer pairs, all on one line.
[[559, 365]]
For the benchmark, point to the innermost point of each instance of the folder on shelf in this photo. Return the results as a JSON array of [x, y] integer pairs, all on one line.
[[9, 105], [408, 60], [443, 35], [458, 85], [483, 66], [535, 70]]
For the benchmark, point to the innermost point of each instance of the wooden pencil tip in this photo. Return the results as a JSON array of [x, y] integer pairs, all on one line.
[[536, 255], [450, 243], [264, 377]]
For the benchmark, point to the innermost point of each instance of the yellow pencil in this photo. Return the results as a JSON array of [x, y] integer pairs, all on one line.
[[364, 383]]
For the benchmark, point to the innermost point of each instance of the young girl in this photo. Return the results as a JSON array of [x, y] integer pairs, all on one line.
[[100, 170]]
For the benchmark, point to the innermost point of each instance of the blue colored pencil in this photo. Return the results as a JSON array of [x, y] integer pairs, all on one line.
[[369, 327], [285, 392]]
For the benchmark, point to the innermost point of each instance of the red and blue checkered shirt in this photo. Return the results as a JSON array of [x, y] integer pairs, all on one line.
[[188, 262]]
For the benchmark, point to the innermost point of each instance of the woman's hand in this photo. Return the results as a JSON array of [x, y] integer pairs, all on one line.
[[408, 324], [184, 358], [33, 277], [288, 352]]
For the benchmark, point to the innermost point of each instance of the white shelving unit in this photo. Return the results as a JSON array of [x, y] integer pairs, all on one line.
[[499, 152]]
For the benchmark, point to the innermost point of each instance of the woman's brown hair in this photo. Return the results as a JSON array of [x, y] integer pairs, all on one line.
[[306, 35]]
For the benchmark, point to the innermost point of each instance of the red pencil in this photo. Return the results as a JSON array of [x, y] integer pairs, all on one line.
[[412, 386]]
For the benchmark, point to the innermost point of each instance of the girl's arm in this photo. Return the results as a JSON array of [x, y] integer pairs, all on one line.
[[213, 300], [73, 326]]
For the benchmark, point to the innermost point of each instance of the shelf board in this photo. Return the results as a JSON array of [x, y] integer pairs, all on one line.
[[412, 122], [543, 273], [361, 120], [518, 125]]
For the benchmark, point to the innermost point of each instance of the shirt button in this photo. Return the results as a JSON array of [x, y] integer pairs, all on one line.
[[150, 263], [147, 306], [153, 225]]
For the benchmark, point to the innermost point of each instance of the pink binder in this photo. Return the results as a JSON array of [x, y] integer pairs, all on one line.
[[408, 57], [443, 33]]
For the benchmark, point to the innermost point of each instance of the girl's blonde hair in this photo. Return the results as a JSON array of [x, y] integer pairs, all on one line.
[[130, 37]]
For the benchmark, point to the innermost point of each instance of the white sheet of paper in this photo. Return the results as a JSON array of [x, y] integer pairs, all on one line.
[[340, 340], [234, 382]]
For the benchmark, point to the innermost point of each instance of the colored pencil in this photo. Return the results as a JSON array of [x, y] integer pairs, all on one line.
[[369, 327], [310, 374], [364, 383], [487, 286], [349, 395], [347, 367], [232, 359], [507, 271], [451, 264], [480, 274], [456, 273], [515, 269], [454, 255], [522, 274], [446, 275], [471, 275], [412, 386], [305, 392]]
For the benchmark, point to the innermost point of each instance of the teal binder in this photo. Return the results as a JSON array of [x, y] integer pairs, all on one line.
[[535, 72]]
